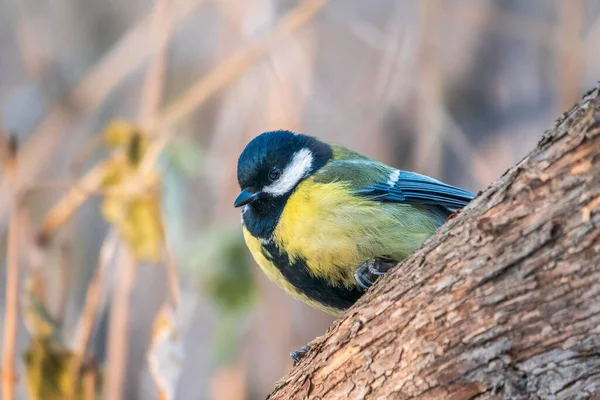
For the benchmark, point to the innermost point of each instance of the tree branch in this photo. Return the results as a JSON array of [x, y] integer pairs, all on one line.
[[503, 302]]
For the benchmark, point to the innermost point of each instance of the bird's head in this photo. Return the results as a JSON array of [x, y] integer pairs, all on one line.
[[271, 167]]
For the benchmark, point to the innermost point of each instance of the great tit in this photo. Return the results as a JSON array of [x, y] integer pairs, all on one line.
[[317, 216]]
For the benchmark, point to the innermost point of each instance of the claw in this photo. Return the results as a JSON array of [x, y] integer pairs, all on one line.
[[380, 267], [370, 270], [376, 272], [357, 277], [298, 355]]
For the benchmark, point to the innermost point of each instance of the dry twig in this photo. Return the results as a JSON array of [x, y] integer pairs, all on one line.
[[127, 55], [94, 295], [66, 207], [232, 68], [9, 375], [429, 144], [119, 324], [570, 52]]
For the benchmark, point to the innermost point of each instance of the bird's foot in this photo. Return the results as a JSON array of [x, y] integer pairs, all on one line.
[[367, 274], [298, 355]]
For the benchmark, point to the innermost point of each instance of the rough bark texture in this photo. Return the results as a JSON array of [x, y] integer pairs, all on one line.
[[504, 302]]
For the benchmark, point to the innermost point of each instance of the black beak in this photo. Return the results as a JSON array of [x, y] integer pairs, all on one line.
[[246, 196]]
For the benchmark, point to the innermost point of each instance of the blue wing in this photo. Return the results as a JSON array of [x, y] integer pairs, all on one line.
[[413, 188]]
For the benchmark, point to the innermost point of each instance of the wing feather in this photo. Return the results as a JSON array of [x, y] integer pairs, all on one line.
[[413, 188], [380, 182]]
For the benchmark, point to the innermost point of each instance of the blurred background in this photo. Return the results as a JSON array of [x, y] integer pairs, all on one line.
[[456, 89]]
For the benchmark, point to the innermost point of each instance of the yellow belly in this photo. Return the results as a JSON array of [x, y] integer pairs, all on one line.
[[336, 232]]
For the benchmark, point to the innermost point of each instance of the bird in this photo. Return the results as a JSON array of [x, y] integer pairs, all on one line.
[[323, 221]]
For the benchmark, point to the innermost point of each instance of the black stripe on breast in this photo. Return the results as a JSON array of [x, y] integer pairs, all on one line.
[[318, 289]]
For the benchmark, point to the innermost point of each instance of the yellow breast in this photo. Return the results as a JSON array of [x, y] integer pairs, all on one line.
[[336, 231], [258, 253]]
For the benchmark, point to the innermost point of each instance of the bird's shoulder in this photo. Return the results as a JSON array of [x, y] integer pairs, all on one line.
[[357, 170]]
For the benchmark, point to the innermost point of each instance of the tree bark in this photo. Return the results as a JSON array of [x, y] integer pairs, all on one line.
[[503, 302]]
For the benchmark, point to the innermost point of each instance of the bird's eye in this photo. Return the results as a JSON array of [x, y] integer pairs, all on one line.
[[274, 174]]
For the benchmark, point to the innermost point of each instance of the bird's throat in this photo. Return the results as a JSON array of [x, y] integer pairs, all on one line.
[[261, 217]]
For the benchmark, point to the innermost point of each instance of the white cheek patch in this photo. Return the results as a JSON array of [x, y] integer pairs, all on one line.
[[292, 174]]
